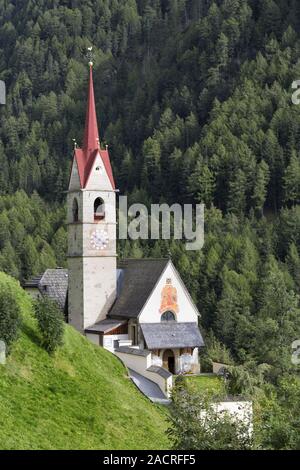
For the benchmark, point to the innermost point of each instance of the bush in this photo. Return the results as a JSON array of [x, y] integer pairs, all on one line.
[[51, 323], [10, 315], [217, 351], [206, 364], [196, 424]]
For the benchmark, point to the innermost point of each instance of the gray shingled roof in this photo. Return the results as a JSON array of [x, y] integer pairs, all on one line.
[[172, 335], [106, 325], [139, 279], [54, 284], [133, 351], [160, 371]]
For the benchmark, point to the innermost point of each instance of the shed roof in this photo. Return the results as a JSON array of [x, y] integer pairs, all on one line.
[[105, 326], [133, 351], [160, 371], [172, 335]]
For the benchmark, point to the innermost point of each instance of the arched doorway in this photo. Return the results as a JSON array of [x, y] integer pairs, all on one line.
[[169, 361]]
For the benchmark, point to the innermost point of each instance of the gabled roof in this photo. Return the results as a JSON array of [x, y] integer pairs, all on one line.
[[172, 335], [136, 280], [85, 156], [85, 162], [139, 279], [53, 283]]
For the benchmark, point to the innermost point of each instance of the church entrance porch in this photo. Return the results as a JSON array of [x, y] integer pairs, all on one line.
[[169, 361], [177, 360]]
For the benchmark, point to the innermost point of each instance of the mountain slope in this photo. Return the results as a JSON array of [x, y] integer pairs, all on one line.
[[81, 398]]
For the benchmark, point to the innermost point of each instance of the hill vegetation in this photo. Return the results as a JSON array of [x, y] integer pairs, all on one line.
[[79, 398], [194, 100]]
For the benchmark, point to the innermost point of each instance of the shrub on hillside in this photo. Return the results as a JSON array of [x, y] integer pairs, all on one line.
[[51, 323], [206, 364], [10, 315], [196, 424]]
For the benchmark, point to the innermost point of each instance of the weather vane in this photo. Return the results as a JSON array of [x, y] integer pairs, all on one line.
[[90, 55]]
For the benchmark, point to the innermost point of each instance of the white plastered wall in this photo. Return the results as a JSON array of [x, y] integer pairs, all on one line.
[[237, 410], [187, 311], [74, 179], [98, 177], [99, 292], [140, 364], [75, 293]]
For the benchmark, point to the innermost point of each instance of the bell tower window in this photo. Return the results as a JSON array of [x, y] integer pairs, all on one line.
[[75, 210], [99, 209]]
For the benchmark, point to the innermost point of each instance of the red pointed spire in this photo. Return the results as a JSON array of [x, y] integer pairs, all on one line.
[[91, 134], [86, 156]]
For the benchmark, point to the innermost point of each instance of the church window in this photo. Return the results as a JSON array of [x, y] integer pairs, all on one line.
[[99, 209], [75, 210], [168, 316]]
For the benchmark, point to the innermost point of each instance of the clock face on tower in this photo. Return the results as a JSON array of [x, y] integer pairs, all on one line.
[[99, 239]]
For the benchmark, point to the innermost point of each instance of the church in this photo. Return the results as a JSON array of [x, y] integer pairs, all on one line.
[[139, 309]]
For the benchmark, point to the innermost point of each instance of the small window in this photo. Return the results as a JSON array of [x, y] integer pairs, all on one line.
[[168, 316], [75, 211], [99, 209]]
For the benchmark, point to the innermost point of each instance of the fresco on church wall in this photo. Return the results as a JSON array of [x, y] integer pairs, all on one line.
[[169, 298]]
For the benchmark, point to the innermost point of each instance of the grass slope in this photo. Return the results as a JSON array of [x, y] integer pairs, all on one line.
[[81, 398], [210, 384]]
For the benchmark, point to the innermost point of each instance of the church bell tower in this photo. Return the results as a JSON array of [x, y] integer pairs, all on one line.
[[91, 209]]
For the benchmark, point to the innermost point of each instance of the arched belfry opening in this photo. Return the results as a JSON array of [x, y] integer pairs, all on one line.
[[99, 209], [75, 210]]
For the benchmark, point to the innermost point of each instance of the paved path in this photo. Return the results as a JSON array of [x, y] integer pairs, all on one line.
[[148, 388]]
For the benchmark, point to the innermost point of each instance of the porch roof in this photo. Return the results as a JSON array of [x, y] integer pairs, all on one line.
[[105, 326], [172, 335]]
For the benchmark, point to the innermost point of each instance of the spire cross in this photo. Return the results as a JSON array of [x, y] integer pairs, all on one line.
[[90, 55]]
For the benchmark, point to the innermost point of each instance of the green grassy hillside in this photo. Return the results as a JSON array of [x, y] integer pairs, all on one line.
[[81, 398]]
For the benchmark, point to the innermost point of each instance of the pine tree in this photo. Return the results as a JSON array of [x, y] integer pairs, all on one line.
[[202, 184], [291, 181], [30, 258], [237, 193], [261, 186]]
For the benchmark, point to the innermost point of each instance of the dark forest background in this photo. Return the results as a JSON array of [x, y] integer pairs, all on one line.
[[194, 100]]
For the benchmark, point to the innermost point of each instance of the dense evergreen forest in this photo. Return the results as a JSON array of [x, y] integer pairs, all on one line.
[[194, 101]]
